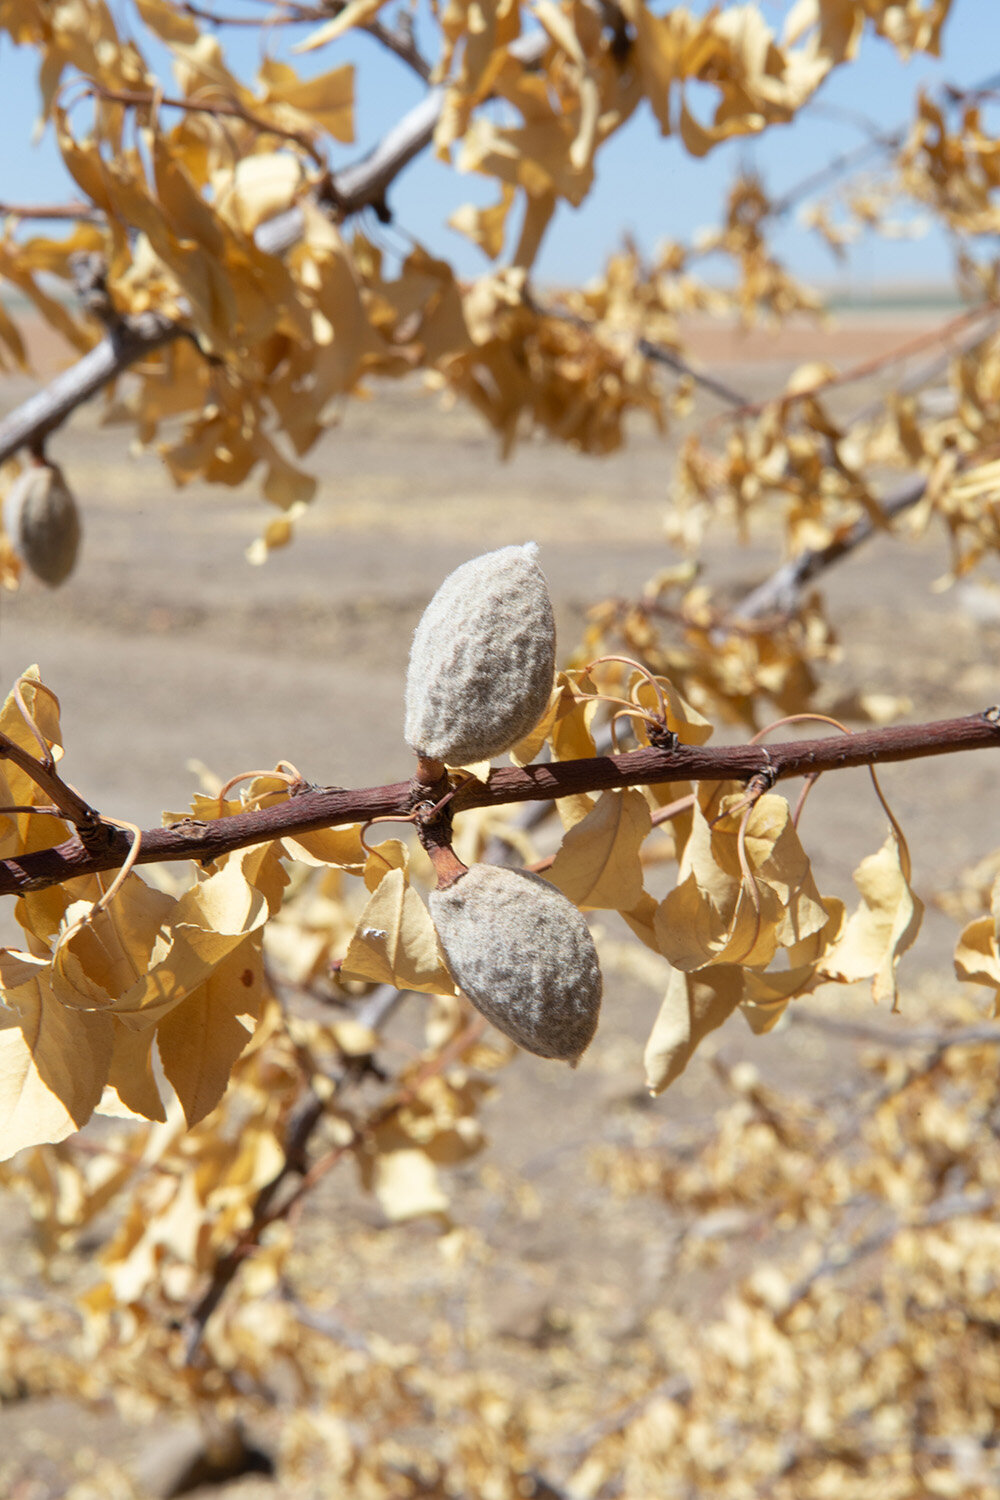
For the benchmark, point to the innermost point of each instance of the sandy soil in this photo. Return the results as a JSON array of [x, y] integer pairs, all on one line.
[[165, 646]]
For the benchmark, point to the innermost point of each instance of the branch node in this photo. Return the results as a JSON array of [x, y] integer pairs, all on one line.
[[662, 738], [430, 782]]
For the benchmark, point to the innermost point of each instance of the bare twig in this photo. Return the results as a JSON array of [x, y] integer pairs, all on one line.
[[302, 1123], [955, 1206], [305, 1118], [938, 338], [69, 803], [77, 210], [229, 108], [315, 808], [780, 593], [937, 1039], [662, 355], [395, 39]]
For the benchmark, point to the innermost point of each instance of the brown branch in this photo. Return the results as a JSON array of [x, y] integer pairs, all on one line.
[[841, 1257], [327, 807], [937, 339], [395, 40], [662, 355], [303, 1121], [305, 1118], [937, 1039], [69, 803], [78, 210], [779, 593]]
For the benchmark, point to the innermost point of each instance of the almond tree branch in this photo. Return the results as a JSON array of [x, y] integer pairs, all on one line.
[[68, 801], [77, 211], [303, 1120], [938, 338], [398, 40], [779, 593], [349, 191], [313, 808]]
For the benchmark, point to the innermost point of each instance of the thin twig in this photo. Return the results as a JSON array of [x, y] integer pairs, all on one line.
[[77, 210], [304, 1120], [956, 1206], [937, 338], [229, 108], [394, 39], [71, 805], [935, 1038], [309, 810]]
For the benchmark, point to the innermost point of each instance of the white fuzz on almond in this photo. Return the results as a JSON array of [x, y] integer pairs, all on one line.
[[483, 659], [524, 956]]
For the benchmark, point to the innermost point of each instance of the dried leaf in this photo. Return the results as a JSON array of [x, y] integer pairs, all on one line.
[[694, 1005], [201, 1038], [395, 941], [53, 1060], [883, 926], [714, 915], [598, 861], [407, 1185]]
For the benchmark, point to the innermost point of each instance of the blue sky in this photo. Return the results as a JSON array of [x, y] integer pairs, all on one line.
[[646, 185]]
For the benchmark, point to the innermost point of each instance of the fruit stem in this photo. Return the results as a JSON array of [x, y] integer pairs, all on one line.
[[447, 865], [433, 826]]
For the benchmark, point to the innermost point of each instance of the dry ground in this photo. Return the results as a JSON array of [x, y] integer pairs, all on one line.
[[166, 646]]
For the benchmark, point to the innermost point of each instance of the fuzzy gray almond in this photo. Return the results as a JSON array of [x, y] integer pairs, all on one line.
[[523, 954], [41, 518], [483, 659]]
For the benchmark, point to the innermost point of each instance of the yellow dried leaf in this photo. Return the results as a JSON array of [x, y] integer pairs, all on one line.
[[392, 854], [258, 188], [99, 959], [201, 1038], [53, 1060], [883, 926], [977, 958], [131, 1091], [642, 918], [714, 915], [694, 1005], [598, 862], [485, 226], [354, 13], [806, 377], [170, 24], [977, 953], [407, 1185], [327, 98], [329, 846], [395, 941]]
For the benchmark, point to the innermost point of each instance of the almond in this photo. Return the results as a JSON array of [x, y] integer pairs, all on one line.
[[524, 956], [41, 518], [483, 659]]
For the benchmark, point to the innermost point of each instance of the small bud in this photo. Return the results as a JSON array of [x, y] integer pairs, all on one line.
[[41, 518], [483, 659], [524, 956]]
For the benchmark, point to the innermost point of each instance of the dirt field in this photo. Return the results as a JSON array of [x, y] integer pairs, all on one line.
[[165, 646]]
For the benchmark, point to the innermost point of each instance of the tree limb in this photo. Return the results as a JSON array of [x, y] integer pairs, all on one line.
[[314, 808], [350, 191], [779, 593]]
